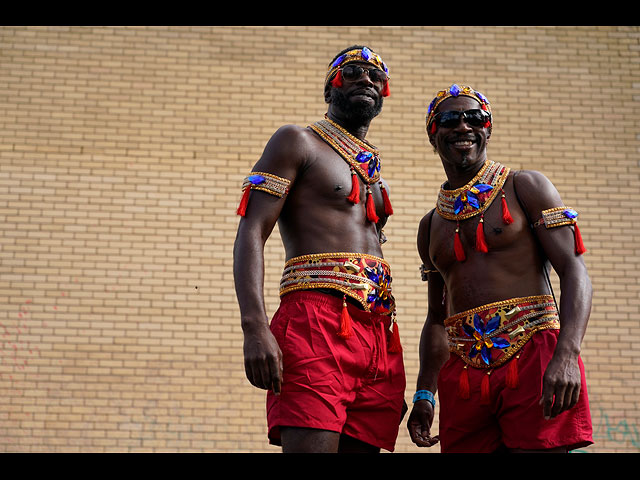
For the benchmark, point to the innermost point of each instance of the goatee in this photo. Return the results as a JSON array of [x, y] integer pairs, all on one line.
[[464, 160], [357, 112]]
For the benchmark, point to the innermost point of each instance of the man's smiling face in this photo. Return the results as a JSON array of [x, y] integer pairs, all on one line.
[[461, 145]]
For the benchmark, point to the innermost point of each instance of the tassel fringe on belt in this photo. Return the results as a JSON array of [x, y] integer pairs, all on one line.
[[489, 336], [364, 278]]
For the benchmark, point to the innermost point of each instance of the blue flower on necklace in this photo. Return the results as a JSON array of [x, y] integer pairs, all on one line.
[[373, 161], [473, 197], [374, 166], [480, 332]]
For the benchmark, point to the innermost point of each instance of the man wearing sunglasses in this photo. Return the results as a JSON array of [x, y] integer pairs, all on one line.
[[330, 359], [502, 354]]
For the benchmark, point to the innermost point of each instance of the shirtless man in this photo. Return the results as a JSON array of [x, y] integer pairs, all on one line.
[[503, 356], [330, 359]]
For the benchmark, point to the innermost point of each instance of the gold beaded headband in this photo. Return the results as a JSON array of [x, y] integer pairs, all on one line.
[[357, 55], [456, 91]]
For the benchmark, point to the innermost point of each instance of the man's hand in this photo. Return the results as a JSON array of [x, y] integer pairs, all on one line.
[[263, 360], [419, 424], [560, 386]]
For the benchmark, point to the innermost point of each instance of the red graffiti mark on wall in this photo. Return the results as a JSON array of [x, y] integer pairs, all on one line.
[[16, 349]]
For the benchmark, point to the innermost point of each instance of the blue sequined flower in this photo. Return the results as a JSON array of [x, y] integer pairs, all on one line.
[[381, 296], [338, 60], [373, 161], [471, 197], [480, 332], [256, 179], [481, 97], [364, 156], [374, 166]]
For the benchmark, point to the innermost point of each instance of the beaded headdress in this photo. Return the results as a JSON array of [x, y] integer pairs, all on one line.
[[456, 91], [363, 54]]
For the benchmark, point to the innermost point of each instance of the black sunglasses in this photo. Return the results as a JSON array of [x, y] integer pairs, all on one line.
[[451, 118], [354, 72]]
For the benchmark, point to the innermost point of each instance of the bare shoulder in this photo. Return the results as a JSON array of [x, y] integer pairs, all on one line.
[[532, 179], [534, 183], [536, 190], [286, 151], [288, 139]]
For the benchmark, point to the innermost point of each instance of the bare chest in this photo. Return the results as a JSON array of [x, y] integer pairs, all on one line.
[[499, 238]]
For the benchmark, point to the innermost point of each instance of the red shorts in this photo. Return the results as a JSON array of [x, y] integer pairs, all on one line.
[[513, 418], [352, 386]]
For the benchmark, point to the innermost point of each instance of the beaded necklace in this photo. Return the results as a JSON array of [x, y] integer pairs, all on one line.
[[473, 199], [359, 154], [363, 159]]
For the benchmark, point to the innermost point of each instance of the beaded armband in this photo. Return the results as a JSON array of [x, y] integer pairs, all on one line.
[[559, 216], [265, 182]]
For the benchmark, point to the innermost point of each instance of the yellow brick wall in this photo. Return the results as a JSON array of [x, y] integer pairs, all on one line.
[[121, 156]]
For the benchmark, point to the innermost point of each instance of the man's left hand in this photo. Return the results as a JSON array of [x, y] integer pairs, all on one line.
[[560, 386]]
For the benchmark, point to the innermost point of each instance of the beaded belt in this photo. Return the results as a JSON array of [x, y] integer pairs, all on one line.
[[487, 336], [365, 278]]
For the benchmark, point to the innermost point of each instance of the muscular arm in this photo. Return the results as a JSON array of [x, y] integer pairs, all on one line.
[[561, 383], [434, 349], [263, 365]]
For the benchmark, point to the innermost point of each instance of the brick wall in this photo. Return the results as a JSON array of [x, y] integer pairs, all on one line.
[[121, 156]]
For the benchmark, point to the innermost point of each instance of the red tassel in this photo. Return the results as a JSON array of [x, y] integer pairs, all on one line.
[[481, 243], [371, 207], [513, 380], [388, 209], [386, 91], [506, 214], [394, 344], [242, 208], [337, 80], [580, 248], [354, 196], [485, 389], [463, 384], [457, 246], [345, 321], [433, 128]]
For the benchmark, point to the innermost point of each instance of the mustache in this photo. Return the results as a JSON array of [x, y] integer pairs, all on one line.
[[364, 90], [462, 138], [358, 112]]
